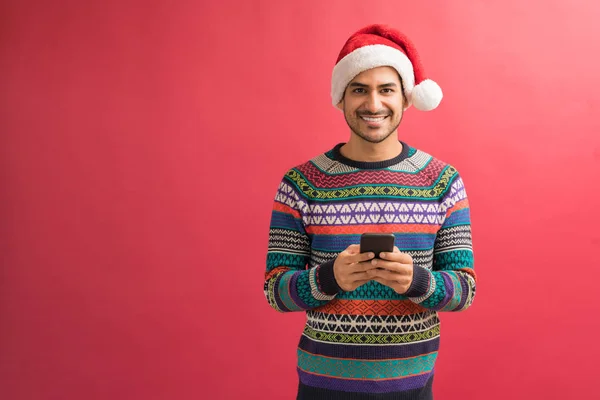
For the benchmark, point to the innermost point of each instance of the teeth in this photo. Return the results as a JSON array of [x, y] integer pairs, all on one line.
[[373, 119]]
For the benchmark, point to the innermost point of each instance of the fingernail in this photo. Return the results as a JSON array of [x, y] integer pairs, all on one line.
[[374, 262], [371, 255], [382, 255]]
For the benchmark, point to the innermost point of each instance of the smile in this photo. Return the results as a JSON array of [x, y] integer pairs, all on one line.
[[376, 119]]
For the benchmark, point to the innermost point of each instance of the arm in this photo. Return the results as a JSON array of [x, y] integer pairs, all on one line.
[[450, 285], [288, 285]]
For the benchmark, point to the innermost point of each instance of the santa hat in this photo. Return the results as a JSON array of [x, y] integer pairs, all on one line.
[[378, 46]]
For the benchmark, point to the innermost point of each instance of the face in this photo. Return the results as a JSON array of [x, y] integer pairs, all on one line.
[[373, 104]]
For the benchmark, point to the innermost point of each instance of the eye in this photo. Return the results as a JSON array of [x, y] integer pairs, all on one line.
[[356, 90], [387, 90]]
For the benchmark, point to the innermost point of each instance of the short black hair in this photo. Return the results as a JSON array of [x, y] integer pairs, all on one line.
[[402, 86]]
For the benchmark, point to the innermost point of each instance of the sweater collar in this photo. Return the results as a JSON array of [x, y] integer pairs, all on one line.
[[337, 155]]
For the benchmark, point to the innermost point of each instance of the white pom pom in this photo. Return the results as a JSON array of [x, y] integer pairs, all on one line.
[[426, 95]]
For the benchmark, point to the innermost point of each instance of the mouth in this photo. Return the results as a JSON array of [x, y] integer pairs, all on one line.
[[374, 121]]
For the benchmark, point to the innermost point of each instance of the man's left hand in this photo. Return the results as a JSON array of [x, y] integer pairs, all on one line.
[[397, 271]]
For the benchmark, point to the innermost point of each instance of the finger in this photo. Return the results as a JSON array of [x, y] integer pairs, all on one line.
[[363, 266], [393, 266], [393, 280], [397, 256], [361, 276], [387, 275], [360, 257]]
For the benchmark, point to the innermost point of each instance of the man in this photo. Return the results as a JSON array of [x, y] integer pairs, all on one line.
[[372, 329]]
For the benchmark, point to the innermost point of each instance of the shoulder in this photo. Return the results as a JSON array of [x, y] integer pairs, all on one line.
[[296, 180], [311, 168], [434, 165], [442, 173]]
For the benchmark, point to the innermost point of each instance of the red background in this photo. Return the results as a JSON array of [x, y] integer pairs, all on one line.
[[142, 143]]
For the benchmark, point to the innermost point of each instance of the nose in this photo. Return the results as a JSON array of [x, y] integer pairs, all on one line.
[[373, 103]]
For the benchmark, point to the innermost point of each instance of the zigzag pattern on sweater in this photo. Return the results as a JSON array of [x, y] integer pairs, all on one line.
[[363, 338], [288, 241], [371, 307], [367, 212], [380, 212], [455, 194], [454, 238], [389, 324], [375, 177], [424, 193]]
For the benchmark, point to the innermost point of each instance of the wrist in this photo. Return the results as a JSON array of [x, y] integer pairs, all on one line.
[[325, 279], [420, 283]]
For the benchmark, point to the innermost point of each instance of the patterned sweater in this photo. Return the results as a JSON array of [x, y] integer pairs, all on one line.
[[370, 343]]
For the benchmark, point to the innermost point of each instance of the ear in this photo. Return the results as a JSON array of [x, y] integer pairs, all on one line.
[[405, 103], [340, 105]]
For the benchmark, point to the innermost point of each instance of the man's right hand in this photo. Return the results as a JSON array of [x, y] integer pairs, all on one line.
[[352, 268]]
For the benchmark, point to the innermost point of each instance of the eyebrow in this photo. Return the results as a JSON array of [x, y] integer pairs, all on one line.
[[385, 85]]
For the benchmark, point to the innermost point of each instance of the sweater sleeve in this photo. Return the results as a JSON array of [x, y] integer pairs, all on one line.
[[289, 285], [450, 284]]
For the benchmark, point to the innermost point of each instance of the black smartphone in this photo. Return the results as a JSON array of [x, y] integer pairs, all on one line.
[[377, 243]]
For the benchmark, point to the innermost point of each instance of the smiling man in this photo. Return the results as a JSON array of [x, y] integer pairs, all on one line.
[[372, 329]]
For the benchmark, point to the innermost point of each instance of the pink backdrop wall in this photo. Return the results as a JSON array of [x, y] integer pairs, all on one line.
[[142, 144]]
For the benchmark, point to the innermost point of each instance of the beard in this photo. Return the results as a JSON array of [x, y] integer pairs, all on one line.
[[355, 120]]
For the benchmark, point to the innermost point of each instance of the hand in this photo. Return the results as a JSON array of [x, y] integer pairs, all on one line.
[[394, 270], [352, 268]]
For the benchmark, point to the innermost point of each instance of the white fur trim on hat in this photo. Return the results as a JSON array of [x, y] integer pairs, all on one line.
[[368, 57]]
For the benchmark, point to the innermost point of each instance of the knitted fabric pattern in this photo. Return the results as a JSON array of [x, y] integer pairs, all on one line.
[[370, 343]]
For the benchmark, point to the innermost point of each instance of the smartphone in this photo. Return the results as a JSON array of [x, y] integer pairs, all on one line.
[[377, 243]]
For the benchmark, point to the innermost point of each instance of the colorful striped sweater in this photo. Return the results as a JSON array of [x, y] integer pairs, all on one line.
[[371, 343]]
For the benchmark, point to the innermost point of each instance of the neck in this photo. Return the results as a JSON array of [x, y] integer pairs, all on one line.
[[359, 149]]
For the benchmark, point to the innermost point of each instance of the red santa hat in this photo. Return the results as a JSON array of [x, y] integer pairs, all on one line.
[[378, 46]]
